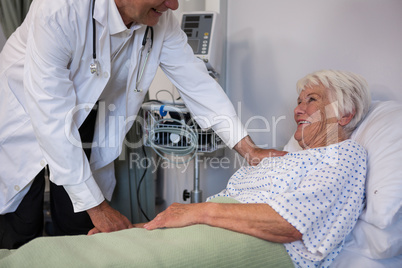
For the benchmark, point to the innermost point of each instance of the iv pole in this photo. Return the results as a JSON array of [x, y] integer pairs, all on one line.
[[196, 193]]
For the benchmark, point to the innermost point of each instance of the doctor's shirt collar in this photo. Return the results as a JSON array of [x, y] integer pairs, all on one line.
[[116, 24]]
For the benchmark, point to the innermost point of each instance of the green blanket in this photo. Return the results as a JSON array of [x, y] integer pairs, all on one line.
[[194, 246]]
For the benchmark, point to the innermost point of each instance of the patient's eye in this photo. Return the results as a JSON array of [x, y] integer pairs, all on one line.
[[311, 99]]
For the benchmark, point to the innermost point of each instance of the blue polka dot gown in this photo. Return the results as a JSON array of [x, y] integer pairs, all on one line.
[[319, 191]]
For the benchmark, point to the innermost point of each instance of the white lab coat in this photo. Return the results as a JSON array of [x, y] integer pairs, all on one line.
[[41, 111]]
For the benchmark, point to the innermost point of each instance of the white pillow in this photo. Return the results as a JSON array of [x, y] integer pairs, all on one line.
[[381, 134]]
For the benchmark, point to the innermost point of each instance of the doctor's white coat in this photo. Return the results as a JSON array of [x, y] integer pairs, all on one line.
[[47, 91]]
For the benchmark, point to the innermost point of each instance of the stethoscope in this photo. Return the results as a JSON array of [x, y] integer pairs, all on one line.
[[95, 66]]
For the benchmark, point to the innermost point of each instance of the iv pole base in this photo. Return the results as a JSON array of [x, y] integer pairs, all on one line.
[[196, 196]]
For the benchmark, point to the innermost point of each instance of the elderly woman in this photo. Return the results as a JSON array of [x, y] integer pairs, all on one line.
[[308, 200]]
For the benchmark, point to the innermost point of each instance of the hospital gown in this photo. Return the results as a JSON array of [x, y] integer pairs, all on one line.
[[320, 191]]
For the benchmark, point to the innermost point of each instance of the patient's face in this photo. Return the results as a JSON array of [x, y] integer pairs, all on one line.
[[317, 124]]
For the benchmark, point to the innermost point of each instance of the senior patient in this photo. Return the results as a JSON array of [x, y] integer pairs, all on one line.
[[308, 200]]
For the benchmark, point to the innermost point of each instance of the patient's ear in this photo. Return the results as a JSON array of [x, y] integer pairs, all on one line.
[[345, 119]]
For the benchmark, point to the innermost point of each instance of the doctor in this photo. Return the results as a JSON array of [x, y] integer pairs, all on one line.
[[70, 75]]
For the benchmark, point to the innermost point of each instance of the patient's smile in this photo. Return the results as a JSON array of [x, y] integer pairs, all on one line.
[[303, 122]]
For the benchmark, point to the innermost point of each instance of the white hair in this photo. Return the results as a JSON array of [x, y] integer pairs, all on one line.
[[350, 90]]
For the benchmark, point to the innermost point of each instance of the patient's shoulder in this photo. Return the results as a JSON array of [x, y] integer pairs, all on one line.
[[352, 146]]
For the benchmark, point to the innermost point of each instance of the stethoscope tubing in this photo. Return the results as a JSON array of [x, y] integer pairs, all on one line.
[[140, 71]]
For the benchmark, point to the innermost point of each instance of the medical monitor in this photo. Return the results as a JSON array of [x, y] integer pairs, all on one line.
[[205, 37]]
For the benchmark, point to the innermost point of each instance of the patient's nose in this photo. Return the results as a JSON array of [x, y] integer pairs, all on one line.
[[300, 109]]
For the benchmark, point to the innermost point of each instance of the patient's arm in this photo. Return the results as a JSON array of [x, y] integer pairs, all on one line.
[[254, 154], [258, 220]]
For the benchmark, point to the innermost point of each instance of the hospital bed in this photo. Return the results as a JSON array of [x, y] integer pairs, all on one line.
[[376, 240]]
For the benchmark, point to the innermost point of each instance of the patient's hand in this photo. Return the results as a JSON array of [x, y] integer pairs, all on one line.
[[259, 220], [177, 215]]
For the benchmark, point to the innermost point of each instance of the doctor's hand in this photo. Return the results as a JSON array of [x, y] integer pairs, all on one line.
[[177, 215], [106, 219], [252, 153]]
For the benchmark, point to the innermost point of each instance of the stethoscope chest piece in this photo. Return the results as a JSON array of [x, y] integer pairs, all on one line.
[[94, 67]]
